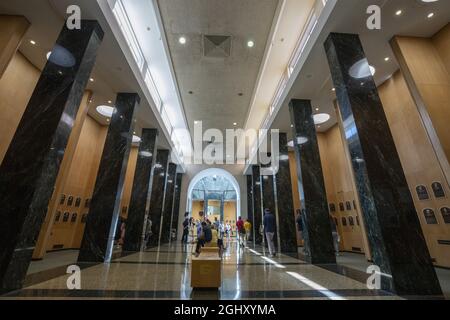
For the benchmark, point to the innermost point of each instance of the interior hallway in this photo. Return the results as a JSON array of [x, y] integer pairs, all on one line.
[[165, 273]]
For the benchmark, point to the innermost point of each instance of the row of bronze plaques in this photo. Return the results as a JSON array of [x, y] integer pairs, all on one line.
[[423, 194], [348, 221], [430, 216], [66, 217], [342, 207], [70, 201]]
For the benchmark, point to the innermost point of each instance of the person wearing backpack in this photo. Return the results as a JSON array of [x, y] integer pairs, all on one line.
[[204, 237]]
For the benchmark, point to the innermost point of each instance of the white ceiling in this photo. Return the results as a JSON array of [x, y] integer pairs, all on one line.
[[349, 16], [216, 83], [111, 73]]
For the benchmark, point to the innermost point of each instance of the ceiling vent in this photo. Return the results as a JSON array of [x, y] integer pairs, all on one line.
[[216, 46]]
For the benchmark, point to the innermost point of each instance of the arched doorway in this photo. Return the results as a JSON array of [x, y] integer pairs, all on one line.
[[218, 192]]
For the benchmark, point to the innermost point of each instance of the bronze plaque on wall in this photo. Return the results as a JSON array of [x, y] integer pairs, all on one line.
[[445, 211], [430, 217], [70, 201], [422, 192], [348, 206], [438, 190]]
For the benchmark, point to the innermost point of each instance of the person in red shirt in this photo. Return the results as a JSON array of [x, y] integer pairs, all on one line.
[[241, 231]]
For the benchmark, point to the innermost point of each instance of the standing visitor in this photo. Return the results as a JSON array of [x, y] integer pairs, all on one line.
[[269, 230], [248, 230], [240, 231], [148, 230], [335, 234], [184, 238]]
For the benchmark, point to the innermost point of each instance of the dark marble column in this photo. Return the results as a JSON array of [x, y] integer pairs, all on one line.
[[166, 222], [176, 203], [141, 191], [257, 204], [104, 210], [31, 164], [284, 201], [394, 232], [313, 198], [157, 196], [250, 215], [268, 196]]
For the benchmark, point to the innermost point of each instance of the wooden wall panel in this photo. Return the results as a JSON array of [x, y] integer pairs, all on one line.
[[13, 29], [420, 163], [16, 86], [340, 190], [128, 184], [80, 182], [425, 63]]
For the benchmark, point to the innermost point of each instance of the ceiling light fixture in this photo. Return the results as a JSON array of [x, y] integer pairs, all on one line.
[[387, 59], [182, 40], [398, 12], [250, 44], [361, 69], [430, 15], [321, 118], [33, 42], [91, 79], [136, 139], [234, 124], [105, 111]]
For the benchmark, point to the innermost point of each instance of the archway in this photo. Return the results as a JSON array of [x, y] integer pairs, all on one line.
[[219, 174]]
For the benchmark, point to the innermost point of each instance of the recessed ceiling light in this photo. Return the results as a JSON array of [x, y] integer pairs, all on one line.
[[430, 15], [334, 89], [292, 125], [321, 118], [250, 44], [196, 122], [91, 79], [33, 42], [398, 12], [387, 59], [234, 124], [106, 111], [317, 109], [109, 101], [182, 40]]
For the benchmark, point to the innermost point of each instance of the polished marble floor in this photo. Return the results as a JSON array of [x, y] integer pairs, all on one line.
[[164, 273]]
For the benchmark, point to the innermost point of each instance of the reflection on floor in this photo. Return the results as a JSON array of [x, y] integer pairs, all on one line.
[[164, 273]]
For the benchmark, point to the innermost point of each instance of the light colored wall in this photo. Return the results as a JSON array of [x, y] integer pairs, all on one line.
[[128, 184], [418, 159], [16, 86]]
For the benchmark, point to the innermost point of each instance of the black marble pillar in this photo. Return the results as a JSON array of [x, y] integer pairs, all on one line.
[[157, 196], [176, 203], [393, 228], [268, 196], [31, 164], [284, 201], [257, 203], [166, 222], [250, 215], [313, 198], [104, 210], [141, 190]]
